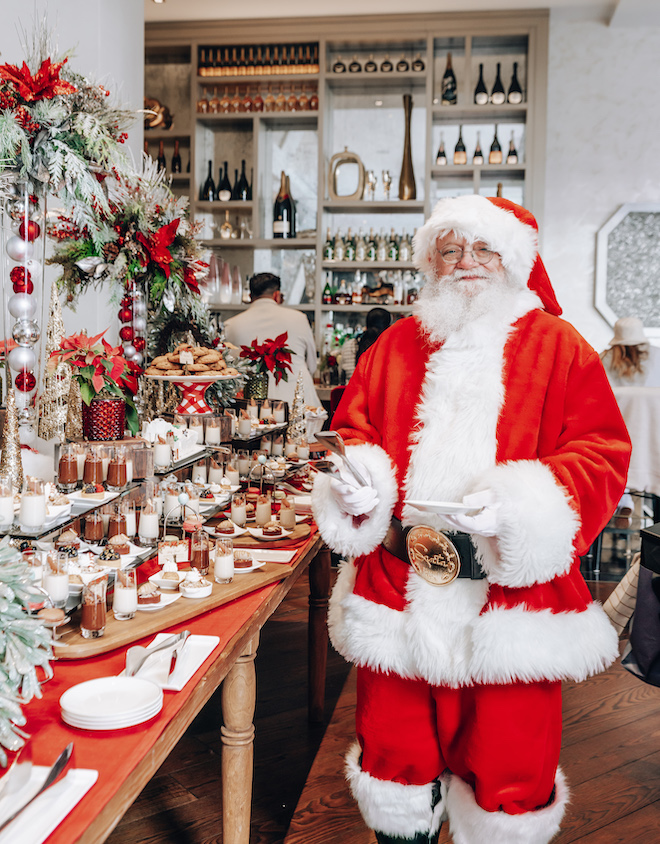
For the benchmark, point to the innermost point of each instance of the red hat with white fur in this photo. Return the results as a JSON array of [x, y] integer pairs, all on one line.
[[507, 228]]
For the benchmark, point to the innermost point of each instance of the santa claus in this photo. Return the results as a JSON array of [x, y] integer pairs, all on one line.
[[494, 453]]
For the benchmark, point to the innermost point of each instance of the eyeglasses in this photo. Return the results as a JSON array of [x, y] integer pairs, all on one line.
[[452, 255]]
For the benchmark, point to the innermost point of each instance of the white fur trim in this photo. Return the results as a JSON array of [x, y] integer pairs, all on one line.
[[519, 644], [391, 807], [470, 824], [536, 525], [475, 218], [336, 527]]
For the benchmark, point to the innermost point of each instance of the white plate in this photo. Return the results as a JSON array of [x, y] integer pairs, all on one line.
[[165, 601], [112, 725], [269, 555], [57, 511], [195, 652], [238, 531], [442, 508], [109, 697], [77, 498], [200, 592], [166, 585], [255, 565], [258, 533], [191, 379]]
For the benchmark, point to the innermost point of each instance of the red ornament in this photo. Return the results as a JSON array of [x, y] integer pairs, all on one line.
[[126, 333], [139, 343], [126, 302], [21, 279], [32, 231], [125, 315], [25, 381]]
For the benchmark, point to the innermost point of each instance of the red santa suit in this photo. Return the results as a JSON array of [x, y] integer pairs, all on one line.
[[465, 678]]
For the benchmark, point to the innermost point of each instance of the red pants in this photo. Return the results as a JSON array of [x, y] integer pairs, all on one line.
[[502, 740]]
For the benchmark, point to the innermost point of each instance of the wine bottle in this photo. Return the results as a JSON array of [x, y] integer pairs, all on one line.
[[495, 154], [219, 182], [327, 294], [386, 65], [481, 92], [371, 246], [342, 297], [339, 66], [381, 246], [293, 207], [478, 157], [338, 247], [392, 247], [402, 65], [441, 157], [226, 229], [349, 247], [355, 66], [160, 161], [176, 159], [208, 188], [188, 164], [405, 248], [283, 212], [328, 250], [234, 190], [449, 93], [460, 154], [497, 95], [243, 188], [250, 185], [515, 94], [418, 64], [224, 188], [370, 65], [512, 155]]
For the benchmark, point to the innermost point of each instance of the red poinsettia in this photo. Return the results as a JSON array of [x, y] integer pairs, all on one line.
[[270, 356], [157, 246], [44, 85]]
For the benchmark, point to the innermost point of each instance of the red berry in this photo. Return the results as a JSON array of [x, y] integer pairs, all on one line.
[[125, 315], [139, 343], [32, 231], [126, 333], [25, 381]]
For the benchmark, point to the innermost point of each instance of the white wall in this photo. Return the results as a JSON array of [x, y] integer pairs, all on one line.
[[602, 151], [107, 37]]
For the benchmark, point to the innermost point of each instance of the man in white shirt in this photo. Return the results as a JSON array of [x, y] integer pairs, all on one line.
[[264, 320]]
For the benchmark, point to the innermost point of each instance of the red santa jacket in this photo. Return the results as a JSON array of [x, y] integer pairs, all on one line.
[[523, 408]]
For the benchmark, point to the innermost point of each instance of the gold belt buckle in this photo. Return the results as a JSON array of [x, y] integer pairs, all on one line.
[[433, 555]]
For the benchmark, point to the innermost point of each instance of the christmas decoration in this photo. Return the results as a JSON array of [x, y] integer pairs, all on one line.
[[73, 427], [270, 356], [11, 464], [297, 426], [57, 385]]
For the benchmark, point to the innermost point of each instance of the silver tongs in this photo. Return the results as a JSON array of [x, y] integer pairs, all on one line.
[[137, 656], [335, 444]]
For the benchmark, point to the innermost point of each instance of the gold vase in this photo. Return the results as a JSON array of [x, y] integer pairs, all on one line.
[[407, 189]]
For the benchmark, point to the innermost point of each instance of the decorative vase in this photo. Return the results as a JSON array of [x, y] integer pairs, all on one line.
[[407, 189], [256, 387], [104, 419]]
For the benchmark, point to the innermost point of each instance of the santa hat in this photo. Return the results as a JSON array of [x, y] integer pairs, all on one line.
[[507, 228]]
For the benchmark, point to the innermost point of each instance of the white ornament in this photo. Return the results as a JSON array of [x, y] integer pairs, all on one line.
[[22, 357], [22, 306], [139, 325], [35, 268], [19, 249], [24, 399], [130, 351], [138, 358], [26, 434]]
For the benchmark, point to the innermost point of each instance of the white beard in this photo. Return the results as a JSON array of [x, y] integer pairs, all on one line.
[[446, 304]]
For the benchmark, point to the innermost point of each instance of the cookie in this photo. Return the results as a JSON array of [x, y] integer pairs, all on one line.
[[197, 367], [209, 357]]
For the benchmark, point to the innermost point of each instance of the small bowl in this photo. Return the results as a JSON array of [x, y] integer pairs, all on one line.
[[198, 592], [166, 585]]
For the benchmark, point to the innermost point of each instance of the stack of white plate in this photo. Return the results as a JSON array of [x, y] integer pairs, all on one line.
[[111, 703]]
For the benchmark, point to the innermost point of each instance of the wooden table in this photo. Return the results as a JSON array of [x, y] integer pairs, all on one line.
[[140, 751]]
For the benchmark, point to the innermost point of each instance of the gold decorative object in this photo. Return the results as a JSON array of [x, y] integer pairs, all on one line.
[[407, 188], [11, 463], [336, 162], [73, 429], [157, 115], [53, 401], [298, 426]]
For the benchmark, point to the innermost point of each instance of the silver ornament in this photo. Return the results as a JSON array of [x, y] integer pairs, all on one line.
[[15, 209], [26, 332], [19, 249], [35, 268], [22, 357], [130, 351], [138, 358], [140, 308], [139, 324], [22, 306]]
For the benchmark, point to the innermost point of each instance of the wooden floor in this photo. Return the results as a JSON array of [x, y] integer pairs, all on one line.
[[611, 757]]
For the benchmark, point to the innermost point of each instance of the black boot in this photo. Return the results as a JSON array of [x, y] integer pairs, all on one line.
[[420, 838]]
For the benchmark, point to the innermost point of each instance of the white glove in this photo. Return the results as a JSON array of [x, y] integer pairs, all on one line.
[[485, 522], [352, 499]]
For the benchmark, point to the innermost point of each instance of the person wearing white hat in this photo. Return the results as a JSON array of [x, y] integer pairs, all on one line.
[[494, 453], [630, 360]]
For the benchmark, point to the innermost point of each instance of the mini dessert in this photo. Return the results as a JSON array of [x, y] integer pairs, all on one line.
[[215, 488], [271, 529], [250, 510], [225, 527], [279, 494], [170, 566], [195, 586], [170, 575], [252, 494], [242, 559], [108, 556], [207, 495], [119, 543], [92, 491], [225, 485], [51, 616], [147, 593], [68, 541]]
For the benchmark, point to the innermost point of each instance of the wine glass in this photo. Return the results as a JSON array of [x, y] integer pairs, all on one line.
[[372, 181], [387, 183]]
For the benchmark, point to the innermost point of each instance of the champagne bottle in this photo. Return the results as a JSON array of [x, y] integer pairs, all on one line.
[[226, 229], [360, 247], [234, 190], [381, 246], [392, 247], [224, 188], [460, 154], [371, 246], [481, 92], [327, 294], [250, 185], [495, 154], [343, 296], [449, 93], [243, 189], [478, 157], [386, 65], [328, 249], [441, 157], [176, 159], [349, 247], [515, 94], [497, 95], [208, 188], [355, 66], [512, 155], [405, 248], [402, 65], [160, 161], [339, 247], [219, 182], [418, 64], [370, 65], [339, 66], [283, 212], [293, 208]]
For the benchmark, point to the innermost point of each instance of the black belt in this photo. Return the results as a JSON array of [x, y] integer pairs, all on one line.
[[437, 556]]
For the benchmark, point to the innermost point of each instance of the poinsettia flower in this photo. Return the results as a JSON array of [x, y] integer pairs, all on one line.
[[157, 246], [190, 279], [270, 356], [44, 85]]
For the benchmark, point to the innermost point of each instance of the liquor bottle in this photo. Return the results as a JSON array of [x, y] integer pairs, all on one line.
[[188, 164], [250, 185], [214, 103], [515, 94], [441, 157], [208, 188], [495, 154], [160, 161], [355, 66], [280, 100], [402, 65], [392, 247], [328, 249], [418, 64], [327, 294], [314, 101], [478, 157], [235, 104], [460, 154], [232, 70], [259, 63], [371, 246], [247, 102], [284, 224], [292, 103], [201, 62], [386, 65], [225, 102], [343, 296], [176, 158], [250, 62], [339, 66], [257, 101], [303, 99], [349, 246], [338, 247], [315, 59], [234, 190], [370, 65], [226, 229], [449, 93], [512, 155], [356, 293], [497, 95], [269, 101], [405, 248], [224, 188], [243, 189], [481, 92], [381, 246], [360, 247]]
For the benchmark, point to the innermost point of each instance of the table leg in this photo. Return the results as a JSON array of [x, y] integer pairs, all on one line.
[[238, 702], [317, 651]]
